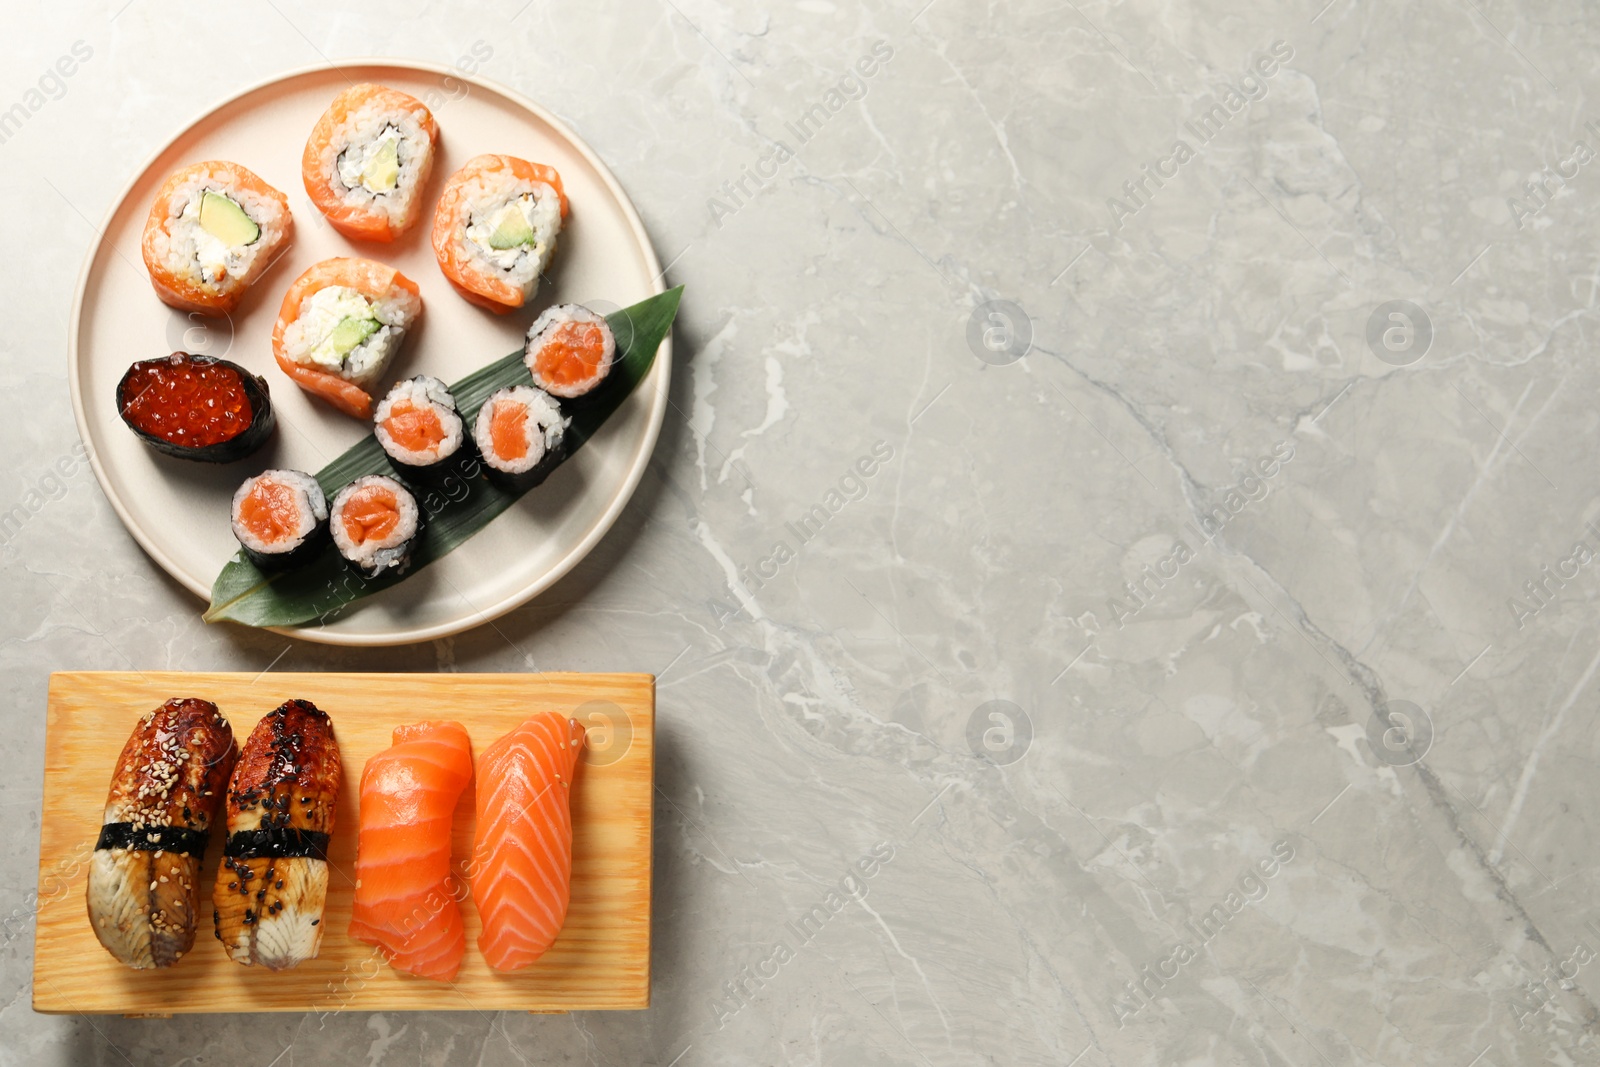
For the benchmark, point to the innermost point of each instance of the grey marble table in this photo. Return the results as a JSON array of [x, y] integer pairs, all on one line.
[[1120, 563]]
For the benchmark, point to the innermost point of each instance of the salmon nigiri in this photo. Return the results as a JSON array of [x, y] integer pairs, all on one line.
[[404, 902], [522, 850]]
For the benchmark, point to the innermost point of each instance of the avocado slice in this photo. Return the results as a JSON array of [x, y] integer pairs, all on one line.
[[511, 229], [349, 333], [382, 172], [225, 220]]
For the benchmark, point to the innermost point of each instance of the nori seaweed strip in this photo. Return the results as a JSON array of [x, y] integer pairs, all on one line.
[[276, 842], [180, 839]]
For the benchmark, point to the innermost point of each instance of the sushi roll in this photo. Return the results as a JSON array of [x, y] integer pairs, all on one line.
[[341, 323], [280, 518], [213, 230], [165, 791], [420, 430], [520, 432], [272, 886], [196, 407], [570, 350], [376, 522], [367, 161], [495, 229]]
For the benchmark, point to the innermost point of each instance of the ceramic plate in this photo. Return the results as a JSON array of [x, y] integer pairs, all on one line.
[[179, 510]]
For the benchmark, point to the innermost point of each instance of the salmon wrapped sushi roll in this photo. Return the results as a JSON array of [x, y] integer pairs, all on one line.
[[367, 161], [340, 325], [213, 230], [495, 229]]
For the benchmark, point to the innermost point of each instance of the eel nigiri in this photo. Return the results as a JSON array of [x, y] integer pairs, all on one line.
[[142, 895], [405, 902], [273, 881], [522, 847]]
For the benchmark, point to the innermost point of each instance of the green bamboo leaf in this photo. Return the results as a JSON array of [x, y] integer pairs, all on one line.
[[324, 587]]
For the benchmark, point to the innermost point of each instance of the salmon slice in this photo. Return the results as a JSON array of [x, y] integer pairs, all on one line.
[[412, 428], [348, 397], [370, 513], [508, 429], [573, 354], [271, 511], [522, 847], [406, 901]]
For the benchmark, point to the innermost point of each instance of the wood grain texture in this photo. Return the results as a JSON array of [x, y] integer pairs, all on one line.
[[601, 960]]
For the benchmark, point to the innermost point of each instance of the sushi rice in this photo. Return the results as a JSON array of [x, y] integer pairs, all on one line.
[[492, 200]]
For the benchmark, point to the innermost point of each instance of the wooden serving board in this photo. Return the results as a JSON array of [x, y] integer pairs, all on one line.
[[601, 960]]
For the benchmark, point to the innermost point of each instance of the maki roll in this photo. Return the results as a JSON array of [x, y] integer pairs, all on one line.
[[367, 161], [341, 323], [420, 430], [376, 522], [495, 229], [213, 230], [521, 433], [196, 407], [570, 350], [280, 518]]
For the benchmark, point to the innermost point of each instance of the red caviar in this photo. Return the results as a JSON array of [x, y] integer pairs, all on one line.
[[185, 401]]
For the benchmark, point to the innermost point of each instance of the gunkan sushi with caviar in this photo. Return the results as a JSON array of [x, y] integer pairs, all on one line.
[[196, 407]]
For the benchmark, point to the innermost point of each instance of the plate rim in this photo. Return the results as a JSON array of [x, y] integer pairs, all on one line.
[[655, 416]]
